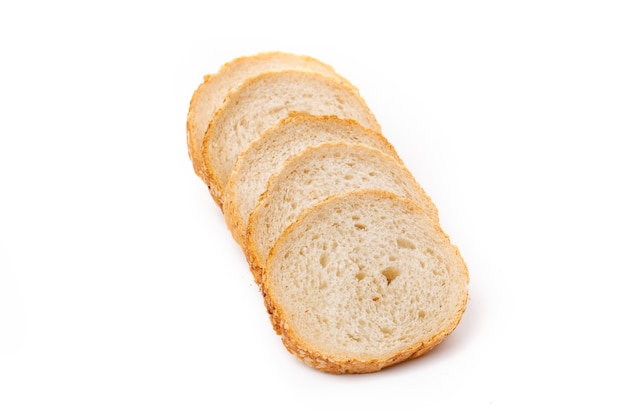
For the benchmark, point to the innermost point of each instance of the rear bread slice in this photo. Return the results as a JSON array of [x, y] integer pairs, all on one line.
[[210, 94], [316, 174], [266, 155], [362, 281], [261, 102]]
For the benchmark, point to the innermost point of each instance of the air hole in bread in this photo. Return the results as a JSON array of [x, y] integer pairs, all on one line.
[[360, 226], [371, 174], [421, 314], [324, 260], [386, 330], [405, 243], [391, 272], [353, 337], [360, 275], [348, 177]]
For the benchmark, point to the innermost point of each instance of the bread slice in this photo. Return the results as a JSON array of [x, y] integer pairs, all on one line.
[[215, 87], [316, 174], [362, 281], [261, 102], [266, 155]]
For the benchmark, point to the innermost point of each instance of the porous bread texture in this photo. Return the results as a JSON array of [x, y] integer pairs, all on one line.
[[210, 94], [316, 174], [264, 156], [262, 101], [362, 281]]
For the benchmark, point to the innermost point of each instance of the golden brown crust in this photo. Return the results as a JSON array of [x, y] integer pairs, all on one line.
[[209, 172], [193, 152]]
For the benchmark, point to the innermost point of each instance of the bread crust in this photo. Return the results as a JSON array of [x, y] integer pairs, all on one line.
[[312, 356], [192, 127]]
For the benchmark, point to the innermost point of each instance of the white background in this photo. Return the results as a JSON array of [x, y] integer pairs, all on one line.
[[122, 292]]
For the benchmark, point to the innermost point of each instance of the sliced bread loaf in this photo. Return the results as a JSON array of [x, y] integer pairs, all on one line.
[[261, 102], [316, 174], [362, 281], [266, 155], [213, 90]]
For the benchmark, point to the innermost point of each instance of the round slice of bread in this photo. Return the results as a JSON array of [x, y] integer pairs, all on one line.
[[316, 174], [215, 87], [261, 102], [266, 155], [362, 281]]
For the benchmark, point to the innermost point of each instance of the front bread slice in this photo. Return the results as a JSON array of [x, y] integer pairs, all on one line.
[[261, 102], [316, 174], [264, 156], [362, 281], [210, 94]]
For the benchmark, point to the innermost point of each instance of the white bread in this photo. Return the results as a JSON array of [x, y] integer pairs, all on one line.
[[355, 271], [362, 281], [316, 174], [262, 101], [266, 155], [210, 94]]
